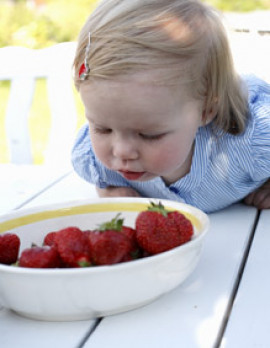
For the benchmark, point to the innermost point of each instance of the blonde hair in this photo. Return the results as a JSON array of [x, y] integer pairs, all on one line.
[[184, 40]]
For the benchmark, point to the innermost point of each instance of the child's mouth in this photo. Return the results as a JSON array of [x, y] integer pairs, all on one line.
[[131, 175]]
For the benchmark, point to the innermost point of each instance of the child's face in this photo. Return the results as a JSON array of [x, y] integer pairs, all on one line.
[[140, 130]]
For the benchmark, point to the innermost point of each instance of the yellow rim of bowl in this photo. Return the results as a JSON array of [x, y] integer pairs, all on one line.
[[83, 209]]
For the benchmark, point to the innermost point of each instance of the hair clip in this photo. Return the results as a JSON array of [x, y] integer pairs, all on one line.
[[85, 69]]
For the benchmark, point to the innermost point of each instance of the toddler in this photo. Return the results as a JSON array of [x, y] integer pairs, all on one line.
[[167, 115]]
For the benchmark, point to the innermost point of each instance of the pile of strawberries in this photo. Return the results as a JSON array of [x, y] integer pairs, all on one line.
[[156, 230]]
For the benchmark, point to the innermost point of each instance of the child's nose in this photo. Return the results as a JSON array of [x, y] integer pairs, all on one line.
[[125, 148]]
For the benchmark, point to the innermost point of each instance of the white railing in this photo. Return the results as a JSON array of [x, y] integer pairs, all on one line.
[[23, 66], [256, 22]]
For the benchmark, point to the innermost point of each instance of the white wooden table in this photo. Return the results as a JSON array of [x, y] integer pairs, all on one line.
[[224, 303]]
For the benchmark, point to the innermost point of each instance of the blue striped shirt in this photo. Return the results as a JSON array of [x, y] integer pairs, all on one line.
[[224, 169]]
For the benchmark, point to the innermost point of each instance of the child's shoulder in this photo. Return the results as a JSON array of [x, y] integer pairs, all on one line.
[[258, 90], [249, 149], [253, 144], [258, 124]]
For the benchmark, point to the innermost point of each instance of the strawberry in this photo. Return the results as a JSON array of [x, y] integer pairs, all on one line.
[[40, 257], [9, 248], [109, 245], [160, 230], [136, 251], [73, 247], [50, 239]]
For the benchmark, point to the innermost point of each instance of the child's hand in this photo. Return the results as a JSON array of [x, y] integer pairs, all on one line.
[[117, 192], [261, 197]]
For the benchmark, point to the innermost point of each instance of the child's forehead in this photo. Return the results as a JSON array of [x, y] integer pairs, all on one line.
[[148, 83], [133, 105], [131, 97]]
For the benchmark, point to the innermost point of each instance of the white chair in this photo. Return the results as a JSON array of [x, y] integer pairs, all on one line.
[[23, 66]]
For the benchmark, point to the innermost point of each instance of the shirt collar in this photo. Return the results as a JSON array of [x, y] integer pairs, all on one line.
[[201, 157]]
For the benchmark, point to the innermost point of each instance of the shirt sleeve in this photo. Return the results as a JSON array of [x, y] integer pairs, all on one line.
[[87, 165], [260, 142]]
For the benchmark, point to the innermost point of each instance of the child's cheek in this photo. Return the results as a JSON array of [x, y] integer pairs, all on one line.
[[171, 159], [101, 149], [162, 158]]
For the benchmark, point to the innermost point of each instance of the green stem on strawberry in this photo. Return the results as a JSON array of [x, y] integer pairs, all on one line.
[[84, 263], [115, 224], [158, 208]]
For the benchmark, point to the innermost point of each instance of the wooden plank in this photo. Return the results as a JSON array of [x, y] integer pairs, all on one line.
[[193, 314], [20, 183], [70, 188], [250, 319], [18, 332]]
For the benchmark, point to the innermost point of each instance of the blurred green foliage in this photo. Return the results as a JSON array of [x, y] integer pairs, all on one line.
[[240, 5], [40, 23]]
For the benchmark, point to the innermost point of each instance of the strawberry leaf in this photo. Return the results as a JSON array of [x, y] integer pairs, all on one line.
[[115, 224], [84, 263], [158, 208]]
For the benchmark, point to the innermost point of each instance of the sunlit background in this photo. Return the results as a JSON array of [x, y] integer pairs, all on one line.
[[41, 23]]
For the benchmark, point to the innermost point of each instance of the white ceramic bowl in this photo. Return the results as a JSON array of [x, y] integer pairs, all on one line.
[[85, 293]]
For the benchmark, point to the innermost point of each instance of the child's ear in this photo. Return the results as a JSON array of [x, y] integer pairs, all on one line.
[[210, 112]]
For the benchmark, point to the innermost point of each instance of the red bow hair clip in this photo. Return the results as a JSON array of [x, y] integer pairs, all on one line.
[[83, 72], [85, 69]]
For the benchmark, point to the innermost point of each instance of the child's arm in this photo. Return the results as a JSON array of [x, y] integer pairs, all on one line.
[[261, 197], [113, 191]]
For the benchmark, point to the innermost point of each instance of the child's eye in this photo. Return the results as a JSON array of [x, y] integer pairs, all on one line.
[[102, 130], [151, 136]]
